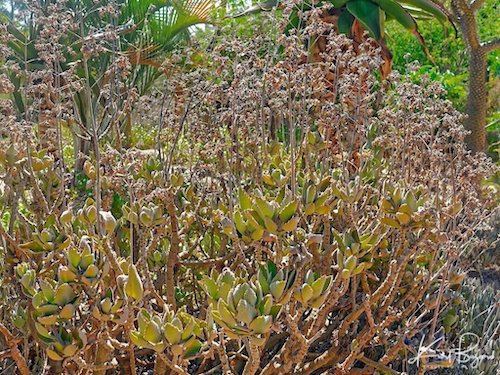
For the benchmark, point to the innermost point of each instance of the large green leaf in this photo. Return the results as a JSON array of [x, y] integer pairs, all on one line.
[[429, 7], [368, 14], [345, 22], [404, 18]]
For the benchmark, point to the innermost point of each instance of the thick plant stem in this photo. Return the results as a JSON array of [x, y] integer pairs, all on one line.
[[161, 366], [15, 353], [174, 251], [477, 96], [253, 363], [103, 355]]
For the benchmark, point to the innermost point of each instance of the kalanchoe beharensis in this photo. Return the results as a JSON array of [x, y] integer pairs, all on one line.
[[177, 331], [249, 308]]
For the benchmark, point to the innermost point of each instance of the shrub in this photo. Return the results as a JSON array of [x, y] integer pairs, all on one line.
[[230, 250]]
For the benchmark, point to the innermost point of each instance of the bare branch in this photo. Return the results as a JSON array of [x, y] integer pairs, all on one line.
[[476, 4], [491, 45]]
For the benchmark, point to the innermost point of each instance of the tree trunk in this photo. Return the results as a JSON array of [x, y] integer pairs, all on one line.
[[477, 96], [477, 101]]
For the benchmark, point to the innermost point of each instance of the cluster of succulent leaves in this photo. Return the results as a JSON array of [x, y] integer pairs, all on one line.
[[248, 308], [179, 331], [54, 305]]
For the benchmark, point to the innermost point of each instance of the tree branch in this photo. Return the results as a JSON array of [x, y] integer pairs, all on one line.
[[476, 4], [491, 45], [466, 19]]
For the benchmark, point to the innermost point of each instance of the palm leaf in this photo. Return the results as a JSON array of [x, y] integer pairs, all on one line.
[[169, 21]]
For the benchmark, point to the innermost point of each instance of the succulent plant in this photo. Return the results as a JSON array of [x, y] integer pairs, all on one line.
[[88, 213], [475, 325], [53, 304], [133, 285], [176, 179], [81, 264], [10, 156], [354, 254], [108, 307], [89, 170], [48, 238], [131, 214], [217, 285], [19, 317], [316, 197], [314, 291], [178, 331], [151, 215], [248, 309], [278, 173], [27, 278], [41, 161], [66, 217], [401, 208], [108, 220], [151, 168], [62, 342], [276, 282], [258, 215]]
